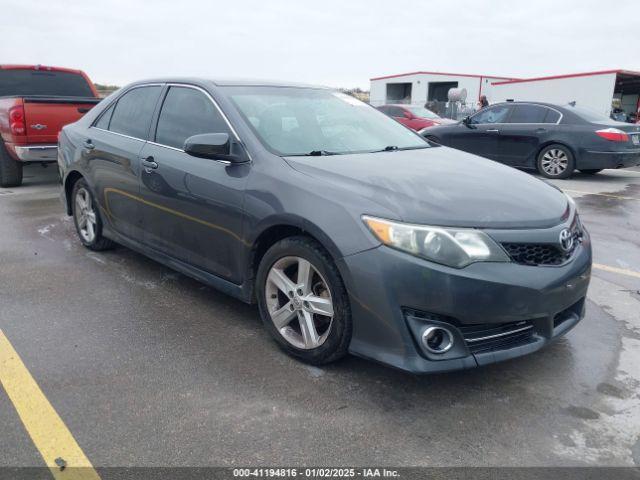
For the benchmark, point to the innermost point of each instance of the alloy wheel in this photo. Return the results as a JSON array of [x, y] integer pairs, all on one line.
[[299, 302], [85, 215], [555, 162]]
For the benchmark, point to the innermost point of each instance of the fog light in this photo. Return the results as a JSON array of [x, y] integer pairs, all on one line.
[[437, 339]]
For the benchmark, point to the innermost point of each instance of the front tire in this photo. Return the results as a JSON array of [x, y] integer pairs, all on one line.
[[86, 216], [10, 169], [303, 302], [555, 161]]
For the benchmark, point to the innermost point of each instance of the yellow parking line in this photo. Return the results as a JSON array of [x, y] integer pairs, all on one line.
[[48, 432], [621, 271], [620, 197]]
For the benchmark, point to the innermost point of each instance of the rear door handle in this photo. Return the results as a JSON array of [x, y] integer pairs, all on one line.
[[88, 144], [494, 130], [149, 164]]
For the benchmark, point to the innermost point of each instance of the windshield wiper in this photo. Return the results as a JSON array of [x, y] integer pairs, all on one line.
[[389, 148], [393, 148], [320, 153]]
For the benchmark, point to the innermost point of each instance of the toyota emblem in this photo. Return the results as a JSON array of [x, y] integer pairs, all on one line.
[[566, 240]]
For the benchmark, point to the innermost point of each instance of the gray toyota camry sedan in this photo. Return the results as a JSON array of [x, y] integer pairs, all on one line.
[[350, 232]]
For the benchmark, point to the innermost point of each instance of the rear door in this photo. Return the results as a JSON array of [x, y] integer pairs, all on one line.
[[480, 135], [526, 129], [112, 150], [192, 207]]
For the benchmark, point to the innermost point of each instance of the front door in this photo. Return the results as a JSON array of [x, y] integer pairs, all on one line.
[[480, 135], [192, 207]]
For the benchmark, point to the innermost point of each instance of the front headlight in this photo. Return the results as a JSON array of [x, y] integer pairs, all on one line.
[[455, 247]]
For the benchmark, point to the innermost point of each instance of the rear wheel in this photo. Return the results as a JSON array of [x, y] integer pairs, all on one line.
[[10, 169], [555, 161], [591, 171], [303, 302], [86, 217]]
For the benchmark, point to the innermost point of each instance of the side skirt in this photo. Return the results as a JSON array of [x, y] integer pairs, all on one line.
[[242, 292]]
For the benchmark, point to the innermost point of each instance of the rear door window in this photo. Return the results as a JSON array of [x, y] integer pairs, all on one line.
[[497, 114], [132, 114], [187, 112], [104, 120], [552, 116], [528, 114]]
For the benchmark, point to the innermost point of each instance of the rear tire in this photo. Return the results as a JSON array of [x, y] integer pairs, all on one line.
[[591, 171], [10, 169], [288, 298], [86, 216], [555, 161]]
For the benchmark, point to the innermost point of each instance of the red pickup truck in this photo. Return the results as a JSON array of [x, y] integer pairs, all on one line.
[[35, 103]]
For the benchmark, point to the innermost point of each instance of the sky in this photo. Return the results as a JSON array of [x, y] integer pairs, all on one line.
[[326, 42]]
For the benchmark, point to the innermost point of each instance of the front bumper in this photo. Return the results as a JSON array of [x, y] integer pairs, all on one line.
[[395, 296], [594, 159], [36, 153]]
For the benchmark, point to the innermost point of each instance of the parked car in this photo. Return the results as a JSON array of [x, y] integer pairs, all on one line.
[[413, 116], [555, 140], [350, 231], [35, 103]]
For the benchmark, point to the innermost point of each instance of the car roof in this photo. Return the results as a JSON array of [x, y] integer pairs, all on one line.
[[543, 104], [224, 82], [39, 68]]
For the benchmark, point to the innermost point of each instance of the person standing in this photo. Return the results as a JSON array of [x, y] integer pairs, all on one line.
[[483, 102]]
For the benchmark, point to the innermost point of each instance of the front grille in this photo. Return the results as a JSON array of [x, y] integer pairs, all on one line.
[[490, 337], [546, 253], [536, 253]]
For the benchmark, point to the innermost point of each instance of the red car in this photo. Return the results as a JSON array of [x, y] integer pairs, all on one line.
[[414, 116], [35, 103]]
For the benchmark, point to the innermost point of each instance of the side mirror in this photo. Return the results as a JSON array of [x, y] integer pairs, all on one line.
[[216, 146], [466, 120]]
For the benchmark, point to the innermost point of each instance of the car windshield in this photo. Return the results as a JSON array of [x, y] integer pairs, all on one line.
[[422, 112], [292, 121]]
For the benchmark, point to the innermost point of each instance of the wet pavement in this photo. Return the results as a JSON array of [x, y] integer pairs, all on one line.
[[150, 368]]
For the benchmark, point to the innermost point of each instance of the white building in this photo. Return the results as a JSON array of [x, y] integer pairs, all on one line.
[[417, 88], [595, 90]]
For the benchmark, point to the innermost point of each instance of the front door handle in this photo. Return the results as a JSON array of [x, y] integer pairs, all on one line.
[[494, 130], [149, 164], [541, 130], [88, 144]]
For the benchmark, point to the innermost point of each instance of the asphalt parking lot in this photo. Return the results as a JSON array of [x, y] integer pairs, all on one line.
[[147, 367]]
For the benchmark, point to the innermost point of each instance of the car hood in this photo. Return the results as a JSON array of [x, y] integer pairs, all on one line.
[[442, 186]]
